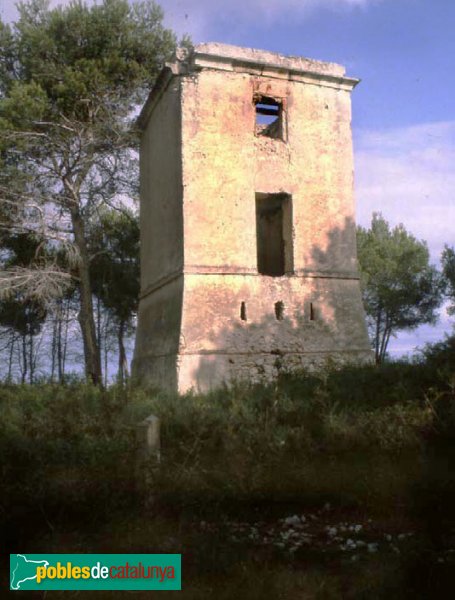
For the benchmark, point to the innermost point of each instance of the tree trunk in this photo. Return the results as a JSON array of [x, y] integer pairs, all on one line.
[[377, 338], [30, 361], [122, 362], [64, 343], [385, 342], [10, 358], [24, 358], [59, 344], [86, 319], [106, 347], [54, 344], [99, 335]]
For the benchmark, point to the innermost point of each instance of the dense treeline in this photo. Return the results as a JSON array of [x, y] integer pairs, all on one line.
[[40, 338]]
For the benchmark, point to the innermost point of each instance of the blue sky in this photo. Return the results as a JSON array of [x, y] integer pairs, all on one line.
[[403, 110]]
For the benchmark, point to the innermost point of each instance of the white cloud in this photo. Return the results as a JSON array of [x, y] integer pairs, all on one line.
[[408, 175], [9, 12], [408, 342], [200, 17]]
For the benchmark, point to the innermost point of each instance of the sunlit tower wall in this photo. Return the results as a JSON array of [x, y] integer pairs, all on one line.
[[248, 242]]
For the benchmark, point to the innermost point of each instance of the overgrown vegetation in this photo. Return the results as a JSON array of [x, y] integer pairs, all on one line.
[[373, 441]]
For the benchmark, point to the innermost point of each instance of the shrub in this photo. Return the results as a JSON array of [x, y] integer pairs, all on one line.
[[354, 435]]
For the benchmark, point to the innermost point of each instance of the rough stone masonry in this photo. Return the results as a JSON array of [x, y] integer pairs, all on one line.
[[248, 248]]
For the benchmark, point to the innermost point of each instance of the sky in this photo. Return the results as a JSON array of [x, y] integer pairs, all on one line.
[[403, 109]]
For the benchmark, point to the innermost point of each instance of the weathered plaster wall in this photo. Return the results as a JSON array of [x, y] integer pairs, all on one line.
[[161, 225], [211, 324], [218, 170], [190, 332], [224, 164], [158, 335], [161, 215]]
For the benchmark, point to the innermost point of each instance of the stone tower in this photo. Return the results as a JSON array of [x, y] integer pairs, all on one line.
[[248, 249]]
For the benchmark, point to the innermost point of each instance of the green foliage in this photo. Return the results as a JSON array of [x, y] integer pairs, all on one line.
[[80, 55], [114, 271], [24, 104], [356, 437], [448, 271], [65, 449], [70, 81], [25, 316], [114, 268], [401, 290]]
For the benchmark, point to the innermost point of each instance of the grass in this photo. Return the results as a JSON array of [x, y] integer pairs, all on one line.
[[375, 442]]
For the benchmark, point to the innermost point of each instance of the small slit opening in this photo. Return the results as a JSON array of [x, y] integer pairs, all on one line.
[[279, 311], [243, 311]]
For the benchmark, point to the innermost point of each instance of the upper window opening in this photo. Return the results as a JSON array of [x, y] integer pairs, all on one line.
[[269, 117]]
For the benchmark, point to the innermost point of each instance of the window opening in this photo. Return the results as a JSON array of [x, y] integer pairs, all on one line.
[[279, 311], [243, 311], [312, 315], [274, 234], [269, 117]]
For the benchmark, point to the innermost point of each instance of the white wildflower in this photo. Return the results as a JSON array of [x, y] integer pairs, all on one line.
[[292, 520]]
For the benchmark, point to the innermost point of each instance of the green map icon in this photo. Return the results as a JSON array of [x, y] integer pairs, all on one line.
[[24, 570]]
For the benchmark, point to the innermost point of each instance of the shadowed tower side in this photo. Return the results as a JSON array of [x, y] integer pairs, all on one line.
[[248, 249]]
